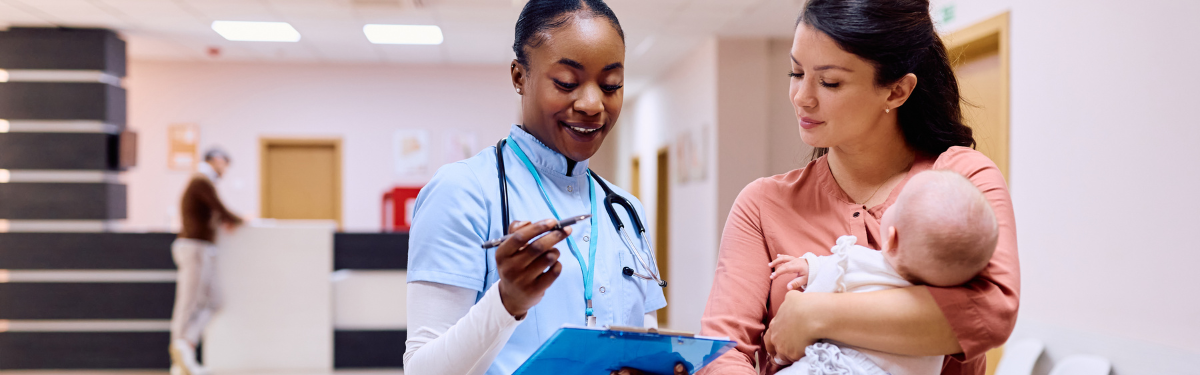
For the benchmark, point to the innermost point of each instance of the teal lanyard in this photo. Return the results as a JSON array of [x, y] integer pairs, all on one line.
[[589, 269]]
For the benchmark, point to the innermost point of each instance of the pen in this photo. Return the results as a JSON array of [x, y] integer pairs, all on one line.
[[561, 224]]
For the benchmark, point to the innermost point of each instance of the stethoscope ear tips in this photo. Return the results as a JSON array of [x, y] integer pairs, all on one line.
[[662, 284], [627, 271]]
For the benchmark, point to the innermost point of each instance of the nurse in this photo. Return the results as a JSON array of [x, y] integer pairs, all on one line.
[[476, 311]]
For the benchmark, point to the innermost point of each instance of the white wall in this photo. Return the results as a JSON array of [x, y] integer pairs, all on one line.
[[236, 104], [742, 113], [1103, 174], [682, 99]]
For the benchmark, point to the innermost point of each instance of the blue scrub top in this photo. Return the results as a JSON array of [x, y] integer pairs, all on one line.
[[460, 209]]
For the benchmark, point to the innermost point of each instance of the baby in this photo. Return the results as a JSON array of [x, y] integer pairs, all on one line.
[[941, 231]]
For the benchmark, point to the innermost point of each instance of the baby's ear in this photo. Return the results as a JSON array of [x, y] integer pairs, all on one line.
[[891, 239]]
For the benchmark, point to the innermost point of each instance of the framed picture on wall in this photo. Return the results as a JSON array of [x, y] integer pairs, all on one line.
[[181, 147], [691, 152], [410, 151]]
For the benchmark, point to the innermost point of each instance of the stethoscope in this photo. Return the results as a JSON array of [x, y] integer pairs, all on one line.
[[610, 198]]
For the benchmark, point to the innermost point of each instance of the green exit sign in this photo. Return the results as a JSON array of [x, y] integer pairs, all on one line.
[[947, 13]]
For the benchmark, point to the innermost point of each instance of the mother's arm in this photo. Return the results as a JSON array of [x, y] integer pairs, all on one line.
[[903, 321], [920, 320], [737, 304]]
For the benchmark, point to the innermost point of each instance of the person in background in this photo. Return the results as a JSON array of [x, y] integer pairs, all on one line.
[[196, 295]]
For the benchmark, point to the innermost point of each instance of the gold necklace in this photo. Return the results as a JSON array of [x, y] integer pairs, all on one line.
[[868, 200]]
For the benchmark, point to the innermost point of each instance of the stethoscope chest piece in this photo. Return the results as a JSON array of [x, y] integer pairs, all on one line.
[[611, 199], [628, 272]]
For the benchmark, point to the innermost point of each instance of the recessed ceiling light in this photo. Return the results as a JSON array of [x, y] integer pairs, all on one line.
[[243, 31], [403, 34]]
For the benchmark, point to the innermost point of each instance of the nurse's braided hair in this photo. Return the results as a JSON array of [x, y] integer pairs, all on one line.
[[540, 16]]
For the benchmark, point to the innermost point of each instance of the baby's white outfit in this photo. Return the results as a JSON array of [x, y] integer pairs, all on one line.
[[855, 269]]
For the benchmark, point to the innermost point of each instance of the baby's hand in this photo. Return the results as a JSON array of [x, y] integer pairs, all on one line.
[[785, 264]]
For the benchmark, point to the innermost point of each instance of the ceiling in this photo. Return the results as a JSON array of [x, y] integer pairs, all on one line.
[[658, 32]]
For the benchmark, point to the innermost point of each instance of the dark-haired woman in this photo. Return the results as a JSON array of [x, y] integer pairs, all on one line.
[[873, 91], [476, 311]]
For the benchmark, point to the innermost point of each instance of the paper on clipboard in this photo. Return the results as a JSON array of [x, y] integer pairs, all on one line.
[[590, 350]]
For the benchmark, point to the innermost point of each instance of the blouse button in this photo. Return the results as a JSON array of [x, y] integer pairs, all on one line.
[[586, 238], [856, 214], [601, 290], [569, 188]]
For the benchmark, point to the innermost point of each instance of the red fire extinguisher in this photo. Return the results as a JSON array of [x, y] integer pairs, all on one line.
[[397, 208]]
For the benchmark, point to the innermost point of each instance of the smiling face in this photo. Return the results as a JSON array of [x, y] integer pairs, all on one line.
[[834, 92], [571, 91]]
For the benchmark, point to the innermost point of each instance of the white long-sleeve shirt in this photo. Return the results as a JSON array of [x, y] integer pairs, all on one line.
[[449, 333]]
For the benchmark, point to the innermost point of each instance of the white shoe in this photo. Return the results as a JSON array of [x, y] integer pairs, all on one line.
[[183, 355]]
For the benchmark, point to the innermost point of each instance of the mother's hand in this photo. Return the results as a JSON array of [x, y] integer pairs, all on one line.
[[527, 269], [795, 327]]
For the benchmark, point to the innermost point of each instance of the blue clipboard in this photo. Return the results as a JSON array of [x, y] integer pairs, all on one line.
[[588, 350]]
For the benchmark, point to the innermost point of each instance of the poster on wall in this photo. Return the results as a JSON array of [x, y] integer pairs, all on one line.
[[181, 149], [410, 151], [691, 154], [460, 145]]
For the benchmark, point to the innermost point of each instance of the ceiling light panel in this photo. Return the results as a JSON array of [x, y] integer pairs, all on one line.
[[243, 31], [403, 34]]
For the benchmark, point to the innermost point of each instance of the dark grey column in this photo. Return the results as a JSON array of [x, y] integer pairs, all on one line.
[[62, 113], [86, 299]]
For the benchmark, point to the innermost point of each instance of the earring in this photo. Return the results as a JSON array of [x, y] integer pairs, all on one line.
[[887, 110]]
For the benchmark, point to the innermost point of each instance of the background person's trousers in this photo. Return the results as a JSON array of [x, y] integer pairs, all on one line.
[[197, 297]]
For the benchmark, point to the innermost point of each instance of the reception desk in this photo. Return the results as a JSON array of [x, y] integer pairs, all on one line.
[[278, 301]]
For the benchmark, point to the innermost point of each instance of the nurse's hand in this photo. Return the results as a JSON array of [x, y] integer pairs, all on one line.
[[679, 370], [528, 268]]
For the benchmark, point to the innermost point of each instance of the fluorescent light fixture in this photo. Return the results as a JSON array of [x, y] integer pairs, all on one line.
[[403, 34], [4, 126], [3, 75], [4, 176], [243, 31]]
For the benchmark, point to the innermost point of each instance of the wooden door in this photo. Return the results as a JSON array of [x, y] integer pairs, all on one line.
[[301, 179], [979, 54], [662, 209], [636, 177]]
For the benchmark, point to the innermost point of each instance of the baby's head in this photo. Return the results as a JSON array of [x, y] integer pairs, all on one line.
[[941, 231]]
